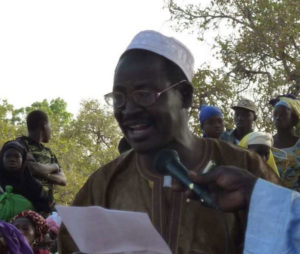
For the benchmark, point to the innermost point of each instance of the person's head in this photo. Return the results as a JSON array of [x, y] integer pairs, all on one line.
[[32, 225], [12, 240], [284, 117], [211, 121], [51, 236], [12, 156], [259, 142], [244, 114], [262, 150], [152, 91], [26, 227], [38, 125]]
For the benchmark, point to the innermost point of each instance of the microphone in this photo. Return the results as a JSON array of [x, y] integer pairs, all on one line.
[[167, 162]]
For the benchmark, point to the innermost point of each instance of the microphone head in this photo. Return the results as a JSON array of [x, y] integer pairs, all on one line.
[[163, 157]]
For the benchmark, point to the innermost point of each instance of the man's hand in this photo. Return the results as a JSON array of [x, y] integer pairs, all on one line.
[[231, 187], [41, 169], [58, 178], [51, 172]]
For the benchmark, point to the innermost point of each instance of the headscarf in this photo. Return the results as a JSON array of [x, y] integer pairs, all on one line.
[[15, 241], [277, 99], [15, 179], [11, 204], [39, 223], [23, 182], [12, 145], [207, 112], [260, 138], [53, 227], [293, 104]]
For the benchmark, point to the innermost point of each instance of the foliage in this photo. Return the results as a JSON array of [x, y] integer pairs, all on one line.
[[7, 129], [259, 50], [211, 88], [92, 140], [81, 144]]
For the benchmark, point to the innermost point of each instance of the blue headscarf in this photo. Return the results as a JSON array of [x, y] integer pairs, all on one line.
[[207, 112], [283, 104]]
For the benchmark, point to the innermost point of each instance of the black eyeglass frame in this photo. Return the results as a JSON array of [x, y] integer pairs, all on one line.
[[109, 97]]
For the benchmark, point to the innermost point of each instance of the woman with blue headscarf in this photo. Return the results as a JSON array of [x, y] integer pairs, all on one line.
[[286, 117], [211, 121]]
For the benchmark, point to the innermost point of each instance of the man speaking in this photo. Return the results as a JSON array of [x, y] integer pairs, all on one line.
[[151, 96]]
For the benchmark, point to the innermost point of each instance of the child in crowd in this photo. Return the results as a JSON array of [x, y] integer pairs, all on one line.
[[211, 120], [261, 143], [34, 227], [13, 172]]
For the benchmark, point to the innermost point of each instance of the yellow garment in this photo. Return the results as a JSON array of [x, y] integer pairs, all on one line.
[[295, 105], [270, 161]]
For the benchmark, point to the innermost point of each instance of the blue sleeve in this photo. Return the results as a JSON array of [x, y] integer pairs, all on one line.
[[273, 220]]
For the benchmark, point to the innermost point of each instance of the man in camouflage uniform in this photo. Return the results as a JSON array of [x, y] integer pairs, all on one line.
[[41, 160]]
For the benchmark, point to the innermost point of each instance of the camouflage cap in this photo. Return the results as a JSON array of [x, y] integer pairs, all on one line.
[[246, 104]]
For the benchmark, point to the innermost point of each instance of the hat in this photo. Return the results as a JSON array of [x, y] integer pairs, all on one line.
[[260, 138], [246, 104], [207, 112], [167, 47]]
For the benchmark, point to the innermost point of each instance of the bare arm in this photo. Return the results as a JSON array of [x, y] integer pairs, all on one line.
[[51, 172], [58, 178], [41, 169]]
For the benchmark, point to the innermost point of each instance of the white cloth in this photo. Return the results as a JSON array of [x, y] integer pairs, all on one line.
[[273, 220]]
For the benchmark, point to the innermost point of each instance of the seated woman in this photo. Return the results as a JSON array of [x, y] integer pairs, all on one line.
[[286, 117], [13, 172], [211, 121], [261, 143], [34, 227]]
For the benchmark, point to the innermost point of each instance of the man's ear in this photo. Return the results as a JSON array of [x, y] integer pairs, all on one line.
[[186, 90]]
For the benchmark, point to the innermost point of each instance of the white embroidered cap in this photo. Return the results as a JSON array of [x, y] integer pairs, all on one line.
[[260, 138], [167, 47]]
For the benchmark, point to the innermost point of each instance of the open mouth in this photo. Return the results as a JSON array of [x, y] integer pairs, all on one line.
[[138, 131]]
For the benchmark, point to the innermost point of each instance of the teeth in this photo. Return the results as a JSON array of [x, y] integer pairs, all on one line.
[[138, 126]]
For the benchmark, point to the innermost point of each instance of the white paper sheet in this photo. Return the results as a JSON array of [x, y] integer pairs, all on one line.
[[96, 230]]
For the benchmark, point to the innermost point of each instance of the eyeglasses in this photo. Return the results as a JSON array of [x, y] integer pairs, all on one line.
[[144, 98]]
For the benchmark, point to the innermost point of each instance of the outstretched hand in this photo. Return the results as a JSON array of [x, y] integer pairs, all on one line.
[[231, 187]]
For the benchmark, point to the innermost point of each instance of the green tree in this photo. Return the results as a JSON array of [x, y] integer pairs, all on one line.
[[260, 53], [7, 128], [91, 141], [81, 144], [211, 88]]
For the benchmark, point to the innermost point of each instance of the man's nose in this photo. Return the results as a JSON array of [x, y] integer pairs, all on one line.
[[131, 106]]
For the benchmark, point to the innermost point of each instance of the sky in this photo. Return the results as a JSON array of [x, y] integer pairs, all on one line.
[[69, 48]]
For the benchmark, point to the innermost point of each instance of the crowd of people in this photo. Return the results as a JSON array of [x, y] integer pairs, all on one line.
[[151, 97], [28, 173], [281, 151]]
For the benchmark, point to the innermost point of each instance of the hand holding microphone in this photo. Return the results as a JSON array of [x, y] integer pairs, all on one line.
[[231, 187], [228, 187]]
